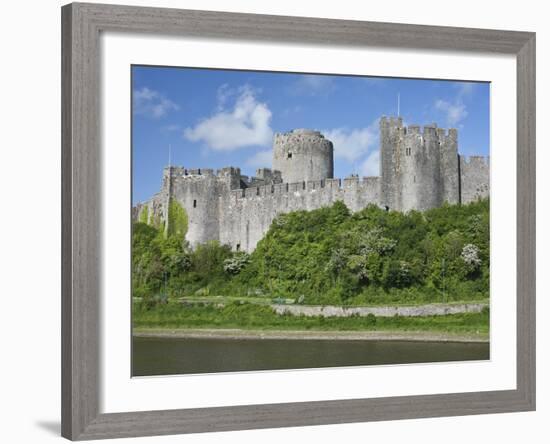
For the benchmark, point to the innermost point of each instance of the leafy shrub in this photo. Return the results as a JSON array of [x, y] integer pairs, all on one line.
[[370, 319]]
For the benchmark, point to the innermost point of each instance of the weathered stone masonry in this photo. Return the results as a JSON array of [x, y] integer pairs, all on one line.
[[420, 169]]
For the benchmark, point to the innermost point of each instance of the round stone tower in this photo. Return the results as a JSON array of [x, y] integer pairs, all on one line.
[[303, 155]]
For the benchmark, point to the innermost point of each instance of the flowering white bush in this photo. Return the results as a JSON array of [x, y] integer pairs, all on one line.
[[236, 263], [470, 255], [374, 242]]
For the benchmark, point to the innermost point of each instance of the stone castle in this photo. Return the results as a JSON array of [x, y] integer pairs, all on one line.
[[420, 168]]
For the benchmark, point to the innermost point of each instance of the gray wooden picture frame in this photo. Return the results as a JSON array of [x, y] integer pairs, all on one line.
[[81, 174]]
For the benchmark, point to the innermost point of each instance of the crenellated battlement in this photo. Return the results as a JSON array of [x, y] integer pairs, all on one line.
[[180, 171], [392, 121], [429, 130], [230, 176], [395, 124], [420, 169], [300, 133], [481, 161], [263, 191]]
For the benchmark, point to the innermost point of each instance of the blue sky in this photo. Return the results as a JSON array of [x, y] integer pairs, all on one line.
[[217, 118]]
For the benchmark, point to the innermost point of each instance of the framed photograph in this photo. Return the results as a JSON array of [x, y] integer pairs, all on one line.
[[280, 221]]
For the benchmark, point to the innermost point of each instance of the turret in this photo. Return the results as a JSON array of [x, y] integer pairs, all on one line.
[[391, 142], [196, 191], [303, 155]]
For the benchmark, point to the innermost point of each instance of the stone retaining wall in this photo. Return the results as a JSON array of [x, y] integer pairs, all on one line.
[[385, 311]]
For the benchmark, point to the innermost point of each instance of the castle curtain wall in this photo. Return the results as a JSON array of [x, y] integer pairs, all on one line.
[[474, 178], [420, 169], [247, 215]]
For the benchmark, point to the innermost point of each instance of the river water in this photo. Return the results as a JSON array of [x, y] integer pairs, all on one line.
[[170, 356]]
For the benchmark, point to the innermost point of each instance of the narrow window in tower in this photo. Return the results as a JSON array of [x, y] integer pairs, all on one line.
[[195, 203], [289, 156], [238, 247], [199, 171]]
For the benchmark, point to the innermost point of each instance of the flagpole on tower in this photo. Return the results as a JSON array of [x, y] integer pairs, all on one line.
[[398, 104]]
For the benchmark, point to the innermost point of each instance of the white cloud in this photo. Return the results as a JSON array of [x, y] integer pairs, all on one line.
[[454, 112], [371, 165], [152, 104], [465, 89], [312, 85], [247, 124], [223, 94], [261, 159], [355, 143]]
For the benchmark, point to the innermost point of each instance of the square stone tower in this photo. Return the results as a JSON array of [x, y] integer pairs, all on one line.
[[419, 167]]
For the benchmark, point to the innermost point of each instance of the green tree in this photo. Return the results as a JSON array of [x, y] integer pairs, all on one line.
[[328, 256]]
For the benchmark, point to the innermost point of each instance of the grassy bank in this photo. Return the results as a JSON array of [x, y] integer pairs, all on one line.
[[354, 303], [257, 317]]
